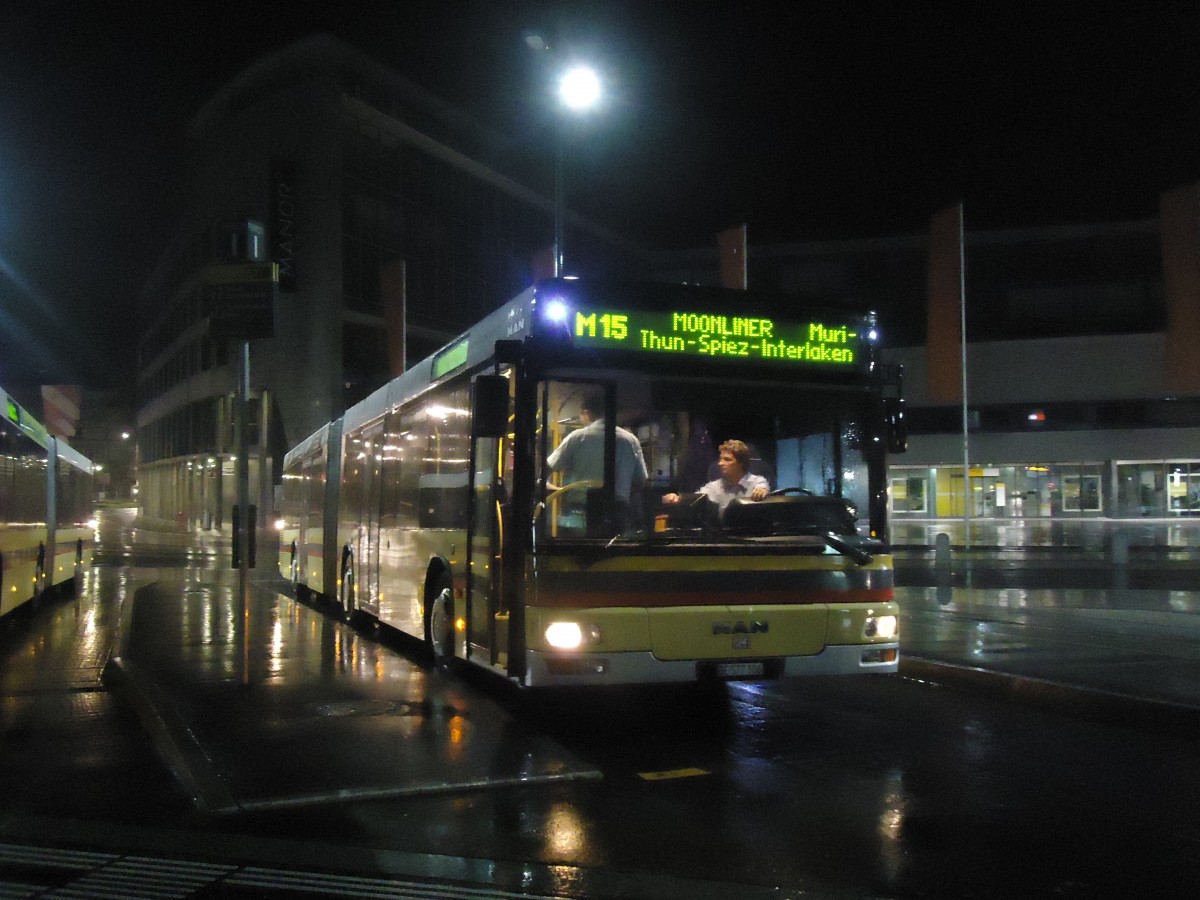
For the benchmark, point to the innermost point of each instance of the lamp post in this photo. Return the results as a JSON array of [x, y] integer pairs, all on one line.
[[578, 91]]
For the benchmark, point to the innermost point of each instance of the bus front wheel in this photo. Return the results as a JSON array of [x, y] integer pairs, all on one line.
[[439, 624], [75, 586], [346, 594]]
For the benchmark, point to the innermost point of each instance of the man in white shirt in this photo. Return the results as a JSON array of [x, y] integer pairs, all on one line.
[[580, 456], [735, 480]]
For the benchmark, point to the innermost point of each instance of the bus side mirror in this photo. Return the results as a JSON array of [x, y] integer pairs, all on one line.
[[895, 425], [490, 406]]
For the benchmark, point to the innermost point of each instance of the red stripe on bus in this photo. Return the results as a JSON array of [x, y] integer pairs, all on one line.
[[597, 600]]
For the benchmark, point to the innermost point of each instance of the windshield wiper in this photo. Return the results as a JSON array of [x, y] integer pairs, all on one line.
[[858, 554]]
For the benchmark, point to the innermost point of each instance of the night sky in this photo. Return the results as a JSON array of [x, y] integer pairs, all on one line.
[[805, 120]]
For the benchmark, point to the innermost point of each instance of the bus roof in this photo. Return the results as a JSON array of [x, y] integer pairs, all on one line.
[[511, 321], [314, 441], [69, 454], [15, 414]]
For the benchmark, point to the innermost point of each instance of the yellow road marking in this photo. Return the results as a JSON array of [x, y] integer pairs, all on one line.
[[673, 773]]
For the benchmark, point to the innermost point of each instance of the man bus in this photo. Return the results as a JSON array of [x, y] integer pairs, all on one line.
[[441, 515]]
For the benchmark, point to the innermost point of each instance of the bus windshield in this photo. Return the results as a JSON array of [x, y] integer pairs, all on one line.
[[806, 446]]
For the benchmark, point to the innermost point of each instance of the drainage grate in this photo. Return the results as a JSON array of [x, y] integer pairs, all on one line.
[[367, 707]]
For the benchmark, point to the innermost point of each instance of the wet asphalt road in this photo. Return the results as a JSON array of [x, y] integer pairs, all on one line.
[[877, 787]]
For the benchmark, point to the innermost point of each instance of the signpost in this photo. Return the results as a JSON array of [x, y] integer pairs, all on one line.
[[239, 300]]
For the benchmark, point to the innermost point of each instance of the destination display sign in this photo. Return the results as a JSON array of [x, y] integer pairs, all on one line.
[[450, 358], [830, 344]]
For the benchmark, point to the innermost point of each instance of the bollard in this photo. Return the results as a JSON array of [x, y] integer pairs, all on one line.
[[941, 551], [942, 576]]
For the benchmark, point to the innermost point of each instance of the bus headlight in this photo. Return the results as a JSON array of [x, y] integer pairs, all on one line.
[[571, 635], [880, 626]]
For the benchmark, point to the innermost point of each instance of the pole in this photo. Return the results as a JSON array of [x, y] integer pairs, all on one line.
[[962, 308], [242, 535], [558, 203]]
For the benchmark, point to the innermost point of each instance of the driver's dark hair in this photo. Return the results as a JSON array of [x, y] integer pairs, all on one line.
[[593, 402], [739, 451]]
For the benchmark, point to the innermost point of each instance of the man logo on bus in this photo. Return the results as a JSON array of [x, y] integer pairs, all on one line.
[[755, 627]]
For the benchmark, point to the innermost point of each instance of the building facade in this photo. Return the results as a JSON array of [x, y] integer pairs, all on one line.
[[1072, 409], [393, 221]]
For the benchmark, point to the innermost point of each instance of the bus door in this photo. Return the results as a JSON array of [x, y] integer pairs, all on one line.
[[368, 532], [488, 601]]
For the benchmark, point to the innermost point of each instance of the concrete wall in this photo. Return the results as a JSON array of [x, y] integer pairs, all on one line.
[[1053, 446], [1107, 367]]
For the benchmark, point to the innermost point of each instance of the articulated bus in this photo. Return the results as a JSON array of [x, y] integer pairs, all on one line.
[[46, 536], [432, 505]]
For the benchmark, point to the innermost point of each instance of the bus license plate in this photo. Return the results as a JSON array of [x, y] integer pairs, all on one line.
[[739, 669]]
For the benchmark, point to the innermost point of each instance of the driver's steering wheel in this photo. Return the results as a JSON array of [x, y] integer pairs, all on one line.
[[791, 490], [573, 486]]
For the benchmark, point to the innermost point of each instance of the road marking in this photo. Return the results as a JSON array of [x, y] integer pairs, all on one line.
[[691, 772]]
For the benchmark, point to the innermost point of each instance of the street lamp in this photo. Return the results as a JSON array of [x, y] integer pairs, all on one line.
[[579, 88], [579, 91]]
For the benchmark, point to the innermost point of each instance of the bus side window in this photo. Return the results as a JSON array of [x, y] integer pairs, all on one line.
[[442, 488]]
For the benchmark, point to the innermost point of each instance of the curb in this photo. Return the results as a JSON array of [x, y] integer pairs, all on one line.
[[1110, 708], [174, 741]]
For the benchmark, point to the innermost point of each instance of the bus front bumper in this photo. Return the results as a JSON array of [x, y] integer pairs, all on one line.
[[569, 669]]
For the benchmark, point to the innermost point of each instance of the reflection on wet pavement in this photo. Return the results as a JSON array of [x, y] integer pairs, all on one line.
[[59, 726], [880, 786], [1132, 643], [1178, 539], [331, 714]]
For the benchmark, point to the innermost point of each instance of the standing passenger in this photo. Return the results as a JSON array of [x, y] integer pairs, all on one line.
[[580, 456]]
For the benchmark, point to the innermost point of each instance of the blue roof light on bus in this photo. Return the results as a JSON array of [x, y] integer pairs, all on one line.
[[556, 312], [554, 315]]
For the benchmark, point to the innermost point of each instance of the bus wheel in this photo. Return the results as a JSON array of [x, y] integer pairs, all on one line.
[[439, 624], [40, 582], [75, 585], [347, 592]]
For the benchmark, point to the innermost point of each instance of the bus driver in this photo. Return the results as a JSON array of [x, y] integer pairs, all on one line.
[[580, 456], [735, 480]]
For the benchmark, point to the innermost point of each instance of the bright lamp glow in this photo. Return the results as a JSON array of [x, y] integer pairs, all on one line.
[[881, 626], [564, 635], [556, 311], [579, 88]]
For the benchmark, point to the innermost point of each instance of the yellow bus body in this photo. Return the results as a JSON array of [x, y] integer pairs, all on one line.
[[655, 633]]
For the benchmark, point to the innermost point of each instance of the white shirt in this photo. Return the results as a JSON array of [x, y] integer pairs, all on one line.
[[581, 457], [721, 493]]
